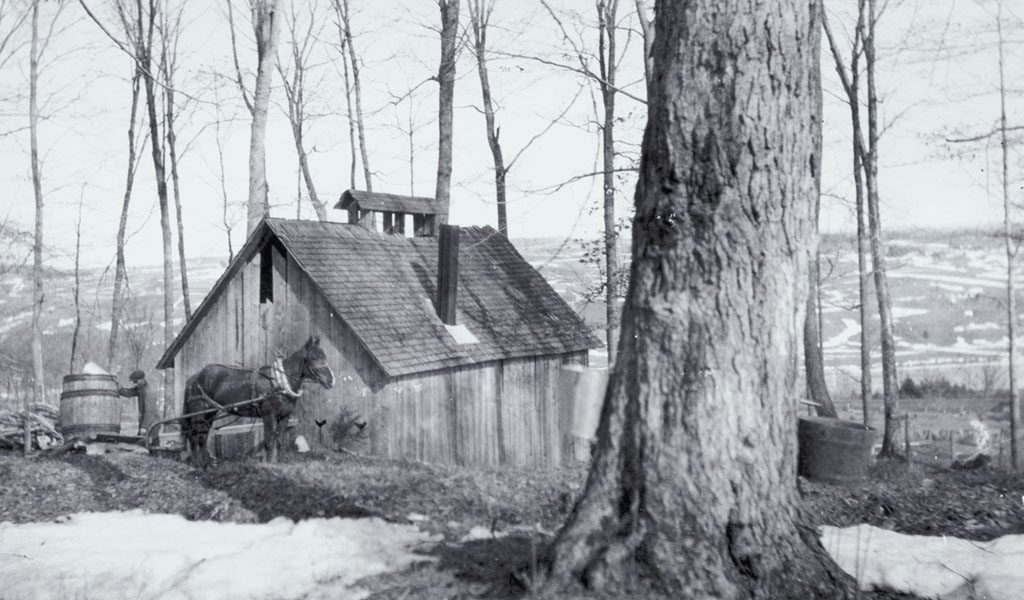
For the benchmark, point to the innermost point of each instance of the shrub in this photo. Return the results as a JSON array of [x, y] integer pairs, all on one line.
[[348, 430]]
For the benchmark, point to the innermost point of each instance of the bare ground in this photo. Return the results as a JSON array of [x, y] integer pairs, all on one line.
[[522, 508]]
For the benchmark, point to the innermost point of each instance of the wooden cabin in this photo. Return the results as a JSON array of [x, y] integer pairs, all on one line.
[[462, 373]]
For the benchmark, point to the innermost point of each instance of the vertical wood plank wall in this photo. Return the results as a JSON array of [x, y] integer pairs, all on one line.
[[504, 412]]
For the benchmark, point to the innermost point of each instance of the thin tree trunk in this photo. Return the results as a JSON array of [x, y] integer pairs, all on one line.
[[1011, 301], [446, 100], [77, 291], [412, 153], [144, 49], [351, 119], [647, 31], [38, 388], [479, 18], [266, 22], [117, 301], [851, 85], [863, 275], [814, 356], [692, 490], [606, 16], [360, 126], [892, 434], [223, 184], [172, 152], [294, 90]]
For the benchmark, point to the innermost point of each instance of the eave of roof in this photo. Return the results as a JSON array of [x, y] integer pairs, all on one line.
[[390, 203]]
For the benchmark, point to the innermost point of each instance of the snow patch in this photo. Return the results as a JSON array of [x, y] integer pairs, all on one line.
[[932, 567], [138, 555]]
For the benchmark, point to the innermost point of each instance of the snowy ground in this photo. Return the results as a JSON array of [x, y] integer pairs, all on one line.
[[932, 567], [138, 555]]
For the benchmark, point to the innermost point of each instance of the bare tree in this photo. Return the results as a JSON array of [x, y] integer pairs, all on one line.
[[605, 79], [446, 98], [120, 273], [479, 18], [892, 433], [343, 20], [814, 355], [704, 387], [38, 383], [850, 79], [1000, 132], [76, 292], [266, 23], [606, 11], [170, 34], [303, 43]]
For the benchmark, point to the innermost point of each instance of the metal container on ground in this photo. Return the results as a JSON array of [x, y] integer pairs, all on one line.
[[89, 404], [834, 451], [238, 441]]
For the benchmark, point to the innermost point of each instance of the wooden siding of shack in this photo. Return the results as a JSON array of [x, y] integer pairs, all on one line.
[[501, 412]]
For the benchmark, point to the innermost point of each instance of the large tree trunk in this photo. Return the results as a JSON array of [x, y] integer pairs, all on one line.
[[1011, 301], [266, 22], [892, 434], [117, 301], [693, 484], [606, 18], [38, 388], [479, 19], [446, 99]]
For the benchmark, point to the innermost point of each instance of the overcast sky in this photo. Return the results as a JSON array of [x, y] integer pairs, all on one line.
[[938, 72]]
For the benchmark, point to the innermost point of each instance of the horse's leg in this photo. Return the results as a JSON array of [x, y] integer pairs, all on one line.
[[270, 433]]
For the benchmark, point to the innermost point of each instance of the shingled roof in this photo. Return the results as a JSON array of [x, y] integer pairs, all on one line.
[[381, 286], [391, 203]]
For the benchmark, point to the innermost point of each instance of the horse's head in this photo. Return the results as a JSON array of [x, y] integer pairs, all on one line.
[[315, 365]]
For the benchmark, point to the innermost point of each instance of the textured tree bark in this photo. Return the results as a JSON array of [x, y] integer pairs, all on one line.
[[479, 19], [606, 20], [38, 388], [446, 95], [892, 434], [117, 300], [266, 22], [692, 492]]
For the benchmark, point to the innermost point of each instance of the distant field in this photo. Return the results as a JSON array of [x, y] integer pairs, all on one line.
[[947, 292]]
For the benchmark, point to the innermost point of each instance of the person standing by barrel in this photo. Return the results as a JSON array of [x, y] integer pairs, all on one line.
[[147, 403]]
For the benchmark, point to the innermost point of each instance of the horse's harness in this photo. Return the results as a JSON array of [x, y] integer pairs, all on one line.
[[278, 378]]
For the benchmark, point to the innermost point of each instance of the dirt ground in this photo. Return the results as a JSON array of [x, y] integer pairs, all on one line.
[[523, 509]]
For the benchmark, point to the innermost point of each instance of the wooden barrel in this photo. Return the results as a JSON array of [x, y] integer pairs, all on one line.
[[834, 451], [89, 404]]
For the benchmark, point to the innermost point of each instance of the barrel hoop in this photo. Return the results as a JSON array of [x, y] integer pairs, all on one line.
[[91, 393], [87, 377], [71, 430]]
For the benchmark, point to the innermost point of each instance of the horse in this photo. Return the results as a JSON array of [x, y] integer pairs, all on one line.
[[278, 386]]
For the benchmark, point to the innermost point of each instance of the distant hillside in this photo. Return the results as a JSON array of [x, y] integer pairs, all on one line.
[[947, 290]]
